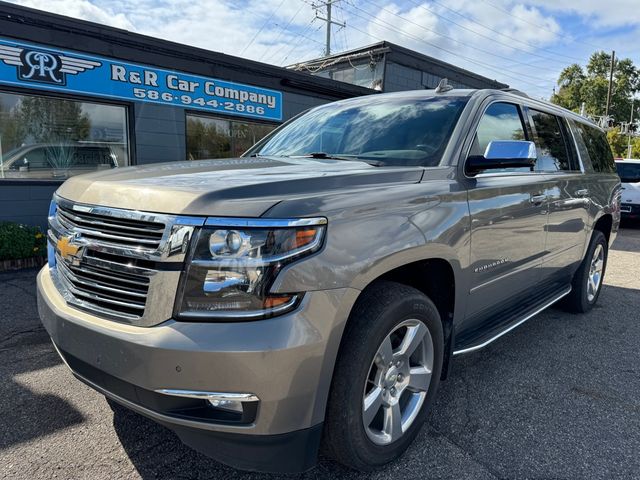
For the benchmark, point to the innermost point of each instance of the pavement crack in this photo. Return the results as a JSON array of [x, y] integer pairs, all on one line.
[[19, 333], [490, 470], [29, 292]]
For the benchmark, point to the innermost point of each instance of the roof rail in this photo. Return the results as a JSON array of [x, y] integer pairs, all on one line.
[[515, 91]]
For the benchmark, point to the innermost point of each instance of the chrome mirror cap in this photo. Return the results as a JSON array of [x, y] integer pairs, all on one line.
[[511, 150]]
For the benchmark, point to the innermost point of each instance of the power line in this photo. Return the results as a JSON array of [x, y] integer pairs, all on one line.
[[327, 4], [504, 10], [298, 45], [487, 52], [343, 30], [262, 27], [394, 29], [472, 20], [284, 29], [470, 60]]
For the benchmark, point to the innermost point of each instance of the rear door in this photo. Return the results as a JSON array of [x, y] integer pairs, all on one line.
[[568, 196], [508, 219]]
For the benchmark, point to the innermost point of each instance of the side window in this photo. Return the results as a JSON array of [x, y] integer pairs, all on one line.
[[593, 141], [553, 154], [501, 121]]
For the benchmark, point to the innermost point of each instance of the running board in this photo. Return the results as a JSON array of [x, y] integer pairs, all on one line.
[[515, 324]]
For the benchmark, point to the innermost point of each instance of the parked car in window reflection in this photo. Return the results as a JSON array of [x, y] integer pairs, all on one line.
[[63, 160]]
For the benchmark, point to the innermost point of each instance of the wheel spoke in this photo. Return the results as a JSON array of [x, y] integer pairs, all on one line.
[[412, 339], [420, 378], [385, 353], [393, 421], [372, 404]]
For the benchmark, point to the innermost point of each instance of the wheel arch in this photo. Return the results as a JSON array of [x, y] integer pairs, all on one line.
[[604, 224], [438, 278]]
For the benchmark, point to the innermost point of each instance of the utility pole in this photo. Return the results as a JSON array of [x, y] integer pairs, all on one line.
[[613, 62], [327, 4], [633, 100]]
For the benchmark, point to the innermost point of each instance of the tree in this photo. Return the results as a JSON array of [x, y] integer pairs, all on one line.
[[618, 142], [47, 120], [590, 86]]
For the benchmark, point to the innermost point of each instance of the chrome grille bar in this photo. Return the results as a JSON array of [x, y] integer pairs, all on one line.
[[118, 264], [115, 231], [81, 292], [100, 285]]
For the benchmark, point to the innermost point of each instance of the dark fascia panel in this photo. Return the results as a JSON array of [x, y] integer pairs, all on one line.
[[410, 58], [69, 33]]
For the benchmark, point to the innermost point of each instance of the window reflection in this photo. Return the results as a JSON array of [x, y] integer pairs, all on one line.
[[552, 150], [593, 144], [501, 121], [392, 131], [53, 138], [209, 137]]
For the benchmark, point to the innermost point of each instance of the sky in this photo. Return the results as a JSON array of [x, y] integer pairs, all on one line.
[[525, 44]]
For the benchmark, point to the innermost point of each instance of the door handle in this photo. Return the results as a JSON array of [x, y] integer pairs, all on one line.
[[583, 192], [537, 199]]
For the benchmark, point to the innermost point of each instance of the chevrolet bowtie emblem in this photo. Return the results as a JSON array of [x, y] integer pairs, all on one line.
[[67, 250]]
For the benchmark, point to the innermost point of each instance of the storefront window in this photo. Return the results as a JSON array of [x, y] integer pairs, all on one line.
[[52, 138], [209, 137]]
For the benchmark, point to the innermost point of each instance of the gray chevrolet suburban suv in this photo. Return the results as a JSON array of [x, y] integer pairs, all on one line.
[[314, 292]]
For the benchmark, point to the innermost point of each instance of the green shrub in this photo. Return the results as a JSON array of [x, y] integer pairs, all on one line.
[[21, 241]]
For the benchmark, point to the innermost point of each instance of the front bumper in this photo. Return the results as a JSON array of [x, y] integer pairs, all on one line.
[[287, 362], [630, 211]]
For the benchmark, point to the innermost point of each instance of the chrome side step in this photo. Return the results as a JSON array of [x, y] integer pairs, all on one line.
[[514, 325]]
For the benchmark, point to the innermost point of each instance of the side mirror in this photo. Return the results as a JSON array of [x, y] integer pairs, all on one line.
[[503, 154]]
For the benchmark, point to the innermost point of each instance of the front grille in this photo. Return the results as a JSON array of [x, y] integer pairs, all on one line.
[[98, 287], [118, 264], [126, 232]]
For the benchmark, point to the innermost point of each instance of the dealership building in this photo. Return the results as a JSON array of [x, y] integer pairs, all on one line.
[[76, 96]]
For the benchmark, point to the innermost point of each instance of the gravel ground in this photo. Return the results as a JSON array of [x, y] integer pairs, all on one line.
[[557, 398]]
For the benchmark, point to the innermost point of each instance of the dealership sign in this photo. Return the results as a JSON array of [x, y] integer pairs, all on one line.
[[34, 66]]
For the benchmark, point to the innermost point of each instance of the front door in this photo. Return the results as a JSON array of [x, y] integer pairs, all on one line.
[[508, 221]]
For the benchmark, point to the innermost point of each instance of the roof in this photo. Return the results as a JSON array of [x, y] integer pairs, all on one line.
[[408, 57], [93, 38]]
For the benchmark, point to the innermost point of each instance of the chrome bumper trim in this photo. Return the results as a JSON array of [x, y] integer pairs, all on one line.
[[211, 396]]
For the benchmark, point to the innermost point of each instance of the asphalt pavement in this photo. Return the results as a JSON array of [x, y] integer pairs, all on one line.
[[558, 398]]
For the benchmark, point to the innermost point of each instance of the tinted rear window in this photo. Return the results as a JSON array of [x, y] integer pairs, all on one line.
[[552, 150], [597, 147], [628, 172]]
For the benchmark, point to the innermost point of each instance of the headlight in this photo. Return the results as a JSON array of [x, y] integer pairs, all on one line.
[[231, 269]]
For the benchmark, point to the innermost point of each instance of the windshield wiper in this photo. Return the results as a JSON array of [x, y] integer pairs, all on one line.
[[351, 158]]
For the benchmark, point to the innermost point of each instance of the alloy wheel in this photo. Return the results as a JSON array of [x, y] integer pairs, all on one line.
[[398, 381], [594, 279]]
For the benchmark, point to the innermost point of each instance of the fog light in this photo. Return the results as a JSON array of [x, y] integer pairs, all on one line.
[[231, 405]]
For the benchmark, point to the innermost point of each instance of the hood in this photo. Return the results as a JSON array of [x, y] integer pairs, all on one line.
[[227, 187]]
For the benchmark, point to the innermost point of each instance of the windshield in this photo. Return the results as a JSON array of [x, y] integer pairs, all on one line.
[[628, 172], [389, 131]]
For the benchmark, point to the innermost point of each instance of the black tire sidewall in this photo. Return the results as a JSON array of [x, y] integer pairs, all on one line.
[[367, 332], [597, 239]]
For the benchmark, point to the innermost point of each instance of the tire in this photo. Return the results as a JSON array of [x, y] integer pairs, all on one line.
[[383, 308], [583, 296]]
